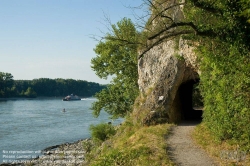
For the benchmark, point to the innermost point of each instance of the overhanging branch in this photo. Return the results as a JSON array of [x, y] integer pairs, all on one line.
[[206, 6], [122, 40], [160, 14], [174, 25], [164, 38]]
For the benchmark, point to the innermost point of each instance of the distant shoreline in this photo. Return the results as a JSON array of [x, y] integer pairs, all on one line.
[[26, 98], [37, 98]]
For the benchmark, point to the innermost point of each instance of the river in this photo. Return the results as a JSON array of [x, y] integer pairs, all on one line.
[[32, 125]]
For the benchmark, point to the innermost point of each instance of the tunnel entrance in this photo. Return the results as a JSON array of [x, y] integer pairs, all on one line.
[[190, 101]]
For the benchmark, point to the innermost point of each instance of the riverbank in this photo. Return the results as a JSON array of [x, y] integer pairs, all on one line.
[[44, 98], [30, 98], [66, 154]]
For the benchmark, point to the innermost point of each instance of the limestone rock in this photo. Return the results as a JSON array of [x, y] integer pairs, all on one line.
[[163, 70]]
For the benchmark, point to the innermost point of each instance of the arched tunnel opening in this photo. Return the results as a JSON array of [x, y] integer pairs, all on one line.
[[191, 104]]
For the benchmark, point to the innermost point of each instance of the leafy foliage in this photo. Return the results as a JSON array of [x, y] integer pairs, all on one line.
[[224, 60], [245, 5], [102, 131], [117, 57], [220, 31], [196, 97], [30, 93], [63, 87], [46, 87], [6, 84]]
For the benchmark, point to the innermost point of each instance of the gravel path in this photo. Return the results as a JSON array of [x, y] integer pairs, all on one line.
[[183, 151]]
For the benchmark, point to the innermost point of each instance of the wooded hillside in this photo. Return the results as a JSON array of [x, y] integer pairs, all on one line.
[[46, 87]]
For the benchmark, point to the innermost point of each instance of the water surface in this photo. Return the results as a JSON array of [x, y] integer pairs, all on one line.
[[39, 123]]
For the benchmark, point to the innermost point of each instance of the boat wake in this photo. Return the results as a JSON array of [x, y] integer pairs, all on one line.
[[88, 99]]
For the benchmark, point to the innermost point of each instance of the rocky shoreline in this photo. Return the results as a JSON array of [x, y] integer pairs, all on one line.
[[66, 154]]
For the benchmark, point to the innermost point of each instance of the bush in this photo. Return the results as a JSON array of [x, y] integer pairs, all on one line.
[[196, 97], [224, 60], [102, 131], [225, 87]]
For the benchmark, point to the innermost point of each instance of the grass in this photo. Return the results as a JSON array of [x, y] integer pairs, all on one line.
[[133, 145], [224, 152]]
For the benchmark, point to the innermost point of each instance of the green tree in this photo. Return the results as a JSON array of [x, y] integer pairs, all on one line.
[[30, 93], [117, 57], [57, 87], [245, 5], [6, 83]]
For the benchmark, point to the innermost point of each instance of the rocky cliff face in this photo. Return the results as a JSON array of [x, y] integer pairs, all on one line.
[[167, 73]]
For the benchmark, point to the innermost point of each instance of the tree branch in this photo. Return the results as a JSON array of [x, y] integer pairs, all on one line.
[[180, 24], [122, 40], [174, 25], [206, 6], [163, 38], [160, 14]]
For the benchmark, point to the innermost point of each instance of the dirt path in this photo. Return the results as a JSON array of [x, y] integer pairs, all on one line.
[[182, 149]]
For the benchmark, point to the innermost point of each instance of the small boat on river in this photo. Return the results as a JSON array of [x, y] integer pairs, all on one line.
[[71, 98]]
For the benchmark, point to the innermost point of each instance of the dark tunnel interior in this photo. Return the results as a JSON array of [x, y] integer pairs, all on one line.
[[188, 112]]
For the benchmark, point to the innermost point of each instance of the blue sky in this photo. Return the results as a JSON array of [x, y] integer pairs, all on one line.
[[52, 38]]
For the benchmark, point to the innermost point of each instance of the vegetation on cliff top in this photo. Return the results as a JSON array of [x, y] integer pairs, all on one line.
[[224, 62]]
